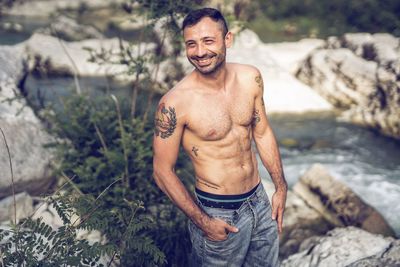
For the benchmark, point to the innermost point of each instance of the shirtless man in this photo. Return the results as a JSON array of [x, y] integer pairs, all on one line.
[[215, 112]]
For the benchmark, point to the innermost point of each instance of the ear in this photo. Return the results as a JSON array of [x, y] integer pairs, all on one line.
[[228, 39]]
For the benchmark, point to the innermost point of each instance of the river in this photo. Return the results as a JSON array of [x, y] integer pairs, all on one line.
[[366, 161]]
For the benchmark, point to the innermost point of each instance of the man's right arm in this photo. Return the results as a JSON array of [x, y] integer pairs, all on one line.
[[169, 125]]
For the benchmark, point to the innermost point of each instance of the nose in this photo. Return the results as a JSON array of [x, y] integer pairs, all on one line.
[[200, 51]]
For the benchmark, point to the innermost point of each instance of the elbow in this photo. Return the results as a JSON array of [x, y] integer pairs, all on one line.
[[159, 176]]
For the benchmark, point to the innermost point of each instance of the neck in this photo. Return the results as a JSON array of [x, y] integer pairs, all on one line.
[[214, 80]]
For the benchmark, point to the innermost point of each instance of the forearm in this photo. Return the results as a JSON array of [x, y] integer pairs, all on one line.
[[269, 153], [171, 185]]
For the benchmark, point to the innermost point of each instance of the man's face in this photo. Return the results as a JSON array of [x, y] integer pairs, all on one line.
[[205, 45]]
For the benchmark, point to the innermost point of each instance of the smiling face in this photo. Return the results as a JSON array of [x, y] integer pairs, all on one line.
[[206, 45]]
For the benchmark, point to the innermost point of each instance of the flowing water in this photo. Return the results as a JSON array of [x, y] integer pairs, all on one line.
[[366, 161]]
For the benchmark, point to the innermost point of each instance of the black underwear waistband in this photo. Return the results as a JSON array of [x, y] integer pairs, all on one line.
[[223, 201]]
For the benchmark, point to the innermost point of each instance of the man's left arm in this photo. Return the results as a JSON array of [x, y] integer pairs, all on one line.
[[269, 152]]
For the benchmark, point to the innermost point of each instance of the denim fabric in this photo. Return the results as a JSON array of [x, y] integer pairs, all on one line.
[[256, 243]]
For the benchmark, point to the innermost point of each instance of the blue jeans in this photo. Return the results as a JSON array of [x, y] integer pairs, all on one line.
[[256, 243]]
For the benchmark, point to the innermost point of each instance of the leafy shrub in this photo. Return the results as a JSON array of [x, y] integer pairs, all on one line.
[[99, 145]]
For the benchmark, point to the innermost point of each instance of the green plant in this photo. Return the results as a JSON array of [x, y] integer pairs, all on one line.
[[100, 143], [34, 243]]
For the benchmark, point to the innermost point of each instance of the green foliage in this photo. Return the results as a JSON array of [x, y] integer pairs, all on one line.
[[100, 144], [34, 243], [329, 17]]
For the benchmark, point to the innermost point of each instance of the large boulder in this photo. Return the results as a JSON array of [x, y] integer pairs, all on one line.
[[23, 131], [360, 74], [344, 247], [337, 203], [57, 57], [300, 222], [282, 91], [68, 29], [51, 56]]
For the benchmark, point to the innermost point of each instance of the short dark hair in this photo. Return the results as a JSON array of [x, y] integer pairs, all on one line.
[[196, 15]]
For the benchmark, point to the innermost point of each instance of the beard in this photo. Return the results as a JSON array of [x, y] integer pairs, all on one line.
[[203, 66]]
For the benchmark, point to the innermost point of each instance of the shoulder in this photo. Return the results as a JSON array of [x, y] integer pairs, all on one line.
[[245, 73], [175, 99], [248, 76]]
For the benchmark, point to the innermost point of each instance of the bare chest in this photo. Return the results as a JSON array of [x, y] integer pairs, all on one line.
[[212, 118]]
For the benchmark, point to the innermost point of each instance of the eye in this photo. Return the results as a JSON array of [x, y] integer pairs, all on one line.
[[190, 45], [209, 41]]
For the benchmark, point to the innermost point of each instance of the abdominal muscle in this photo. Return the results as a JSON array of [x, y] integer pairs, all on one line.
[[227, 166]]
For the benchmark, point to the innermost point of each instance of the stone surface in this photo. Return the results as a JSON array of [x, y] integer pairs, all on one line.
[[48, 214], [337, 203], [388, 258], [359, 74], [290, 55], [23, 131], [282, 91], [23, 205], [45, 8], [340, 247], [69, 30], [73, 58], [300, 222]]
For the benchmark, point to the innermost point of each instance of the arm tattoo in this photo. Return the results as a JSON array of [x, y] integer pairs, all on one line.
[[256, 117], [165, 121], [260, 82], [195, 149]]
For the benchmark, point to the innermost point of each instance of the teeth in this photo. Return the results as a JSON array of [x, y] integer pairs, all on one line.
[[204, 60]]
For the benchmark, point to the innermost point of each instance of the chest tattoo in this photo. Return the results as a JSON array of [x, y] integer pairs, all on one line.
[[195, 149]]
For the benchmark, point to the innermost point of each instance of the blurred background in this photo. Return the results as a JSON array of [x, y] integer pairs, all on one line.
[[80, 81]]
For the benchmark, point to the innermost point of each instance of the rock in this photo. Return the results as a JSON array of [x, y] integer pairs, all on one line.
[[48, 214], [45, 8], [23, 131], [388, 258], [72, 57], [282, 91], [380, 47], [289, 142], [69, 30], [337, 203], [24, 207], [359, 74], [300, 222], [340, 247], [290, 55]]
